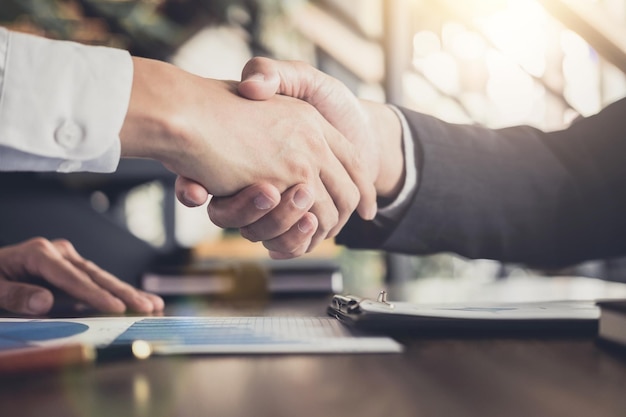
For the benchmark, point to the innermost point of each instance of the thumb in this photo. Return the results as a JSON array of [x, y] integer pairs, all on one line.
[[190, 193], [264, 77], [260, 79], [24, 298]]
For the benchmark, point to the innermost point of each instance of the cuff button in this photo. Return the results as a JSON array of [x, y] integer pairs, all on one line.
[[69, 135]]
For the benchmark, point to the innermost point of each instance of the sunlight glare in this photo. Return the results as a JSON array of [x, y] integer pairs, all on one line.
[[520, 31]]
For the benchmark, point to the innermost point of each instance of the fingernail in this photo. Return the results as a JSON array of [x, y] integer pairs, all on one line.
[[257, 76], [118, 305], [40, 302], [305, 225], [262, 202], [144, 302], [302, 198], [158, 303]]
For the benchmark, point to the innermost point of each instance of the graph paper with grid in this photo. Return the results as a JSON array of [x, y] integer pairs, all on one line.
[[246, 335]]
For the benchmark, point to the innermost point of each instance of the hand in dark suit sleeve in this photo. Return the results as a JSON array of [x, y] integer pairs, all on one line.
[[516, 194]]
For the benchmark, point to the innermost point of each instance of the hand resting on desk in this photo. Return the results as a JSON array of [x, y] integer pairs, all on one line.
[[58, 263]]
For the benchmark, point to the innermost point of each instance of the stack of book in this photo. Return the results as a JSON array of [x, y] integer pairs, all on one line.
[[227, 277]]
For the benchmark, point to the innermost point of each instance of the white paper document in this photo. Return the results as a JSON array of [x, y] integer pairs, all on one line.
[[548, 310], [199, 335]]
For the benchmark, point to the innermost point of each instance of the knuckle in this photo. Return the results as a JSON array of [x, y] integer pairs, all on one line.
[[349, 201], [249, 234], [39, 245], [358, 162], [299, 167], [309, 130], [85, 264], [63, 244], [316, 142], [326, 225], [335, 230]]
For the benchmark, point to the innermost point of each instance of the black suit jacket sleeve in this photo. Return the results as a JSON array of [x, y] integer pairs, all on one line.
[[515, 194]]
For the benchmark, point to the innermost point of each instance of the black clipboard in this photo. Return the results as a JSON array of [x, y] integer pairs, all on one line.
[[534, 318]]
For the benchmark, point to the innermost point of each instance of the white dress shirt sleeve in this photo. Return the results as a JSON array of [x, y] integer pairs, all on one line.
[[396, 208], [62, 104]]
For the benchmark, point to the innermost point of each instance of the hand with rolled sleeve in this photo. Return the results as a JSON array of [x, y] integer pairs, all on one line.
[[67, 107]]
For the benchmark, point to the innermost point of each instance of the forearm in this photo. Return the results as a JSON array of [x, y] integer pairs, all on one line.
[[387, 131], [150, 128], [517, 195]]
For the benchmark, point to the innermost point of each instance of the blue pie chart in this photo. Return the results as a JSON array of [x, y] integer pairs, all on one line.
[[22, 333]]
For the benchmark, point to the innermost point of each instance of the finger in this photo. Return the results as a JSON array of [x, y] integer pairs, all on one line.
[[157, 302], [259, 79], [130, 296], [263, 77], [327, 212], [349, 158], [345, 195], [20, 298], [47, 262], [244, 208], [299, 81], [294, 203], [190, 193], [294, 242]]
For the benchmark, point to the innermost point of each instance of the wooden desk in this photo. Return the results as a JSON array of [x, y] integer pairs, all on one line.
[[482, 377]]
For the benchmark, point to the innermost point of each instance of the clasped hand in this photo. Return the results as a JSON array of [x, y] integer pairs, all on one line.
[[203, 130], [283, 223]]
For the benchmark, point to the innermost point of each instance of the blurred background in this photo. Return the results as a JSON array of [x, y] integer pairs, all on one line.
[[492, 62]]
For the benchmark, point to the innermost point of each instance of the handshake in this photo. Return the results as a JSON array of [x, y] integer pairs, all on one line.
[[288, 153]]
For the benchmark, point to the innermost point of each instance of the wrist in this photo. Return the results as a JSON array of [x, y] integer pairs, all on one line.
[[152, 127], [387, 131]]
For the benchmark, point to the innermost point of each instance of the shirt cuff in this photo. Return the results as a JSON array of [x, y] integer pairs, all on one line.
[[394, 210], [62, 104]]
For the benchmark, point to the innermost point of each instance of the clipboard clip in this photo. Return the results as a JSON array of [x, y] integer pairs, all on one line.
[[351, 304], [382, 298], [346, 303]]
